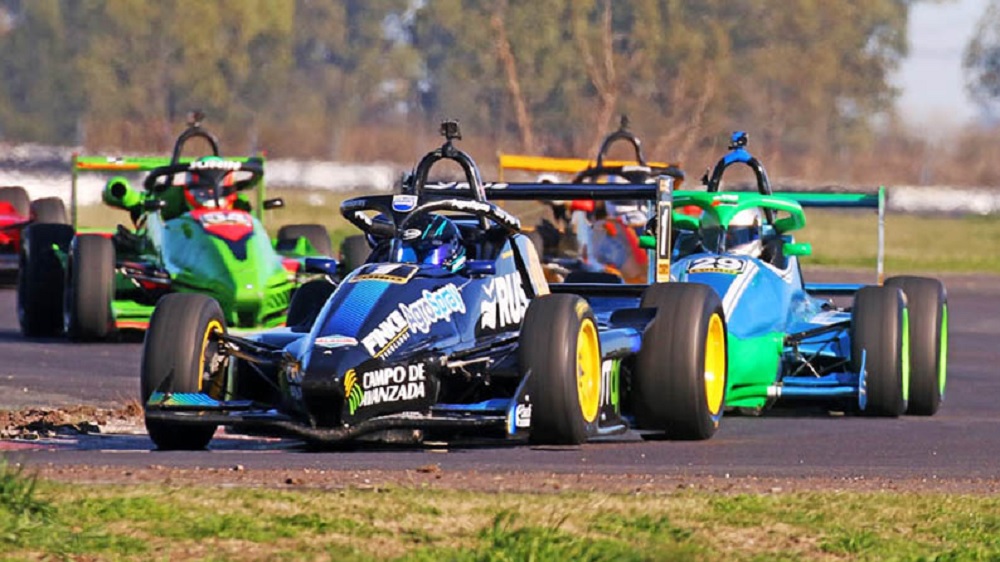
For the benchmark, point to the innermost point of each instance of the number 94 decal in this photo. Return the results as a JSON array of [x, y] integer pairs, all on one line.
[[717, 264]]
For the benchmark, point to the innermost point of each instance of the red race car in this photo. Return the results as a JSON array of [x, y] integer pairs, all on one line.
[[17, 210]]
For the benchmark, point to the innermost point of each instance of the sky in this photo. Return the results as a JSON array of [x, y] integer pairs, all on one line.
[[930, 78]]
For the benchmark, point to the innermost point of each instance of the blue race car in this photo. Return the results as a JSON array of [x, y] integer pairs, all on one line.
[[886, 354], [449, 328]]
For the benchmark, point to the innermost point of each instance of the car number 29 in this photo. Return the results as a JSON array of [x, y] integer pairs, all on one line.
[[717, 263]]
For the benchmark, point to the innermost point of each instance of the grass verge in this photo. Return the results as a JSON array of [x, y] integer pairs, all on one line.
[[175, 522], [913, 243]]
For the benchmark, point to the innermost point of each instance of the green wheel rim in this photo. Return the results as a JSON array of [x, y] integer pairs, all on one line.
[[943, 356], [906, 355]]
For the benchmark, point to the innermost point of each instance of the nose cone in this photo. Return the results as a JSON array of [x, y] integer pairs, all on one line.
[[329, 371], [245, 275]]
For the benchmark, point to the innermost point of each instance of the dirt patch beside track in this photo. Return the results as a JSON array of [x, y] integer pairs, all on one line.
[[36, 423]]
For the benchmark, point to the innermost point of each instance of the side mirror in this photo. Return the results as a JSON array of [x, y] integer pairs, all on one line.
[[797, 249], [276, 203], [647, 242], [321, 265], [118, 193], [481, 267], [154, 205]]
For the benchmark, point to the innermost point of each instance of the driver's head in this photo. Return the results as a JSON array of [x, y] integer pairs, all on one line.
[[432, 240], [743, 235], [199, 187]]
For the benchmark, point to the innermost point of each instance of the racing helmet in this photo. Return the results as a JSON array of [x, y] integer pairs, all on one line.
[[743, 234], [431, 240], [199, 187]]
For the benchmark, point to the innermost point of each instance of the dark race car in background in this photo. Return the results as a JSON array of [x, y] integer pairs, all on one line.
[[432, 338]]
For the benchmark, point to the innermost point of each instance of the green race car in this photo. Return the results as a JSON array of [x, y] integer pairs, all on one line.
[[192, 231]]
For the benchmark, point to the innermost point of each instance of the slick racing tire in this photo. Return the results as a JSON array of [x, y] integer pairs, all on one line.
[[49, 210], [560, 349], [354, 252], [18, 197], [90, 288], [180, 356], [681, 372], [879, 328], [927, 304], [316, 234], [306, 303], [40, 279]]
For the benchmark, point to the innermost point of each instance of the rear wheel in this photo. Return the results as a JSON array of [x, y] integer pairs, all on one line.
[[40, 279], [316, 234], [18, 197], [306, 303], [558, 345], [49, 210], [90, 288], [681, 370], [180, 355], [354, 252], [879, 332], [927, 305]]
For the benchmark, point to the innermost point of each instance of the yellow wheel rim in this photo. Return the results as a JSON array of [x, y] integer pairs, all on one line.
[[588, 370], [715, 365], [214, 327]]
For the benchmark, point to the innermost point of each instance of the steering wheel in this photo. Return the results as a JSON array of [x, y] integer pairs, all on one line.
[[482, 209], [214, 170]]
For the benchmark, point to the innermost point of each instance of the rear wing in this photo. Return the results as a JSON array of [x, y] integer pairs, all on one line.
[[136, 164], [853, 200], [551, 164], [661, 193]]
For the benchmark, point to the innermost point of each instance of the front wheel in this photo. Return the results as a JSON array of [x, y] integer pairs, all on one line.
[[316, 234], [180, 355], [50, 210], [681, 371], [927, 304], [306, 303], [354, 252], [17, 196], [880, 335], [40, 279], [90, 288], [559, 349]]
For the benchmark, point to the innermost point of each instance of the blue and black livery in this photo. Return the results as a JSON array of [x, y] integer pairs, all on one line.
[[406, 344]]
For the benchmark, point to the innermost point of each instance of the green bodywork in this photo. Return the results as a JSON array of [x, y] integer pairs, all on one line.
[[720, 208], [756, 332], [170, 249], [753, 365]]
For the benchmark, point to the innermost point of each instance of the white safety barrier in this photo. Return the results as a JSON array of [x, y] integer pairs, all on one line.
[[44, 172], [315, 175]]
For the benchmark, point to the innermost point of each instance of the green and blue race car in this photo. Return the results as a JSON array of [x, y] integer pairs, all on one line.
[[885, 354]]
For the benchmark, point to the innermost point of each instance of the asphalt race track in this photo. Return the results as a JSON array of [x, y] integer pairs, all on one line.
[[961, 442]]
